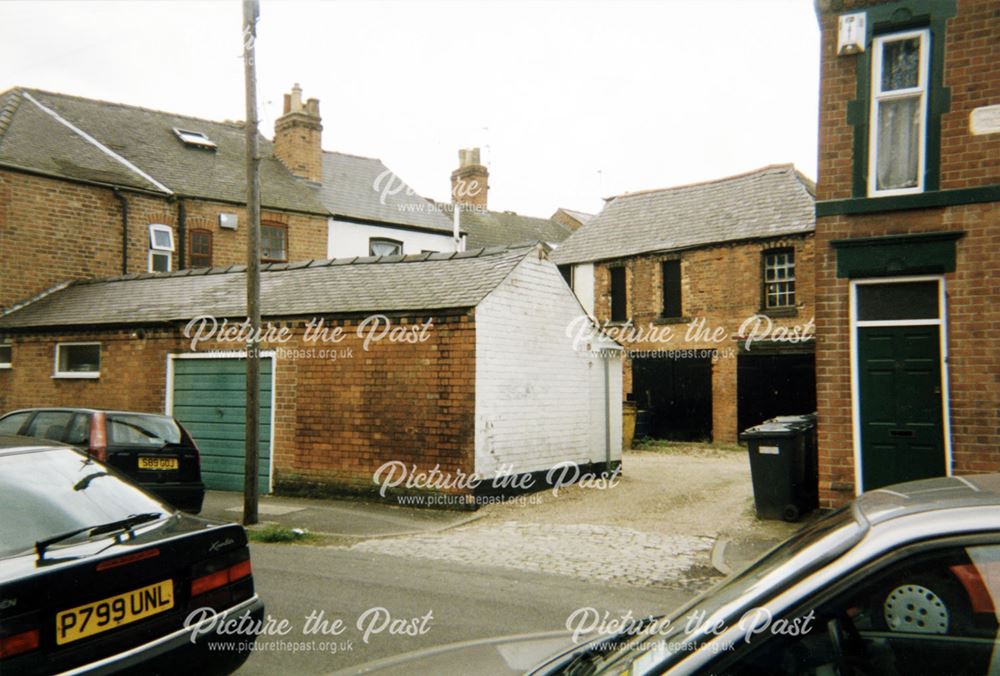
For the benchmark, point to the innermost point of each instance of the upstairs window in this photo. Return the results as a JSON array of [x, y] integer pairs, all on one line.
[[379, 246], [201, 249], [898, 123], [619, 294], [161, 247], [273, 242], [6, 353], [671, 276], [779, 279]]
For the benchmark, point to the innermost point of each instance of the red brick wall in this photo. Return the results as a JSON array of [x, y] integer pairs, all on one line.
[[53, 231], [721, 285], [972, 71], [336, 421]]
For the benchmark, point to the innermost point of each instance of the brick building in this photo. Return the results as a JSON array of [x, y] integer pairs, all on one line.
[[471, 369], [683, 276], [907, 234], [91, 189]]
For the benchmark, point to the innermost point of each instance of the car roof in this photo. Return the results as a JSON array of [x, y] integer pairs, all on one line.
[[943, 493], [83, 409]]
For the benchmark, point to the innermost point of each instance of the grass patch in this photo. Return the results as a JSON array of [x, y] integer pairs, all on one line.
[[702, 449], [274, 533]]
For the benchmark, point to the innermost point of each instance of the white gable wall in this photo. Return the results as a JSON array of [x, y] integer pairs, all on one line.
[[539, 401], [345, 239]]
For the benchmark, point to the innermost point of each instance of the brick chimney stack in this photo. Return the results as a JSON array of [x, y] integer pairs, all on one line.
[[470, 182], [298, 137]]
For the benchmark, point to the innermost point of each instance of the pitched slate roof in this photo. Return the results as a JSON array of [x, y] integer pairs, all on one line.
[[363, 187], [769, 202], [578, 215], [49, 132], [505, 228], [418, 282]]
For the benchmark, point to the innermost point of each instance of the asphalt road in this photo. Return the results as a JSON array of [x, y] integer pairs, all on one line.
[[390, 597]]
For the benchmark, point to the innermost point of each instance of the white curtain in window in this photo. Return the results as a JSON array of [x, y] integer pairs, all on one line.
[[899, 143]]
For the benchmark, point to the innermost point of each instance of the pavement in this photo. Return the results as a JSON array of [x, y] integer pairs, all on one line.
[[346, 518], [584, 551]]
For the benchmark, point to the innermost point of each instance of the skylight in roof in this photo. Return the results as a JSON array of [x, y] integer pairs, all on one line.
[[194, 138]]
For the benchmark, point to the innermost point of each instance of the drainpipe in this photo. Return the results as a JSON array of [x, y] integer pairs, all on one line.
[[181, 233], [123, 201], [607, 416]]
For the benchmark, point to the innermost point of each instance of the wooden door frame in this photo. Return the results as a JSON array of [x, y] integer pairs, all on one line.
[[168, 404], [941, 322]]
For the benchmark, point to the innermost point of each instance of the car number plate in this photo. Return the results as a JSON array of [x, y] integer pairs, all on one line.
[[113, 612], [158, 462]]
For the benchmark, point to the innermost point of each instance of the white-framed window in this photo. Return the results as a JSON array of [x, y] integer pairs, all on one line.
[[77, 360], [779, 279], [161, 247], [382, 246], [897, 125], [6, 355]]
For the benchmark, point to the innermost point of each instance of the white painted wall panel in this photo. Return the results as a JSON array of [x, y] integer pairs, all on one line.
[[539, 400], [351, 239], [583, 286]]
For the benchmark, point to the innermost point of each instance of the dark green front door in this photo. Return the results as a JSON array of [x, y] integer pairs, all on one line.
[[209, 399], [902, 432]]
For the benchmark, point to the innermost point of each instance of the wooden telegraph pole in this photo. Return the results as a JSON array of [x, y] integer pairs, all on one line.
[[251, 10]]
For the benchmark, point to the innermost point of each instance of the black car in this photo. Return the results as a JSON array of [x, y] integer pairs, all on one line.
[[155, 451], [96, 575]]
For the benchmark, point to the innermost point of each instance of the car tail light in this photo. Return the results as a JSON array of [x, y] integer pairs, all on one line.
[[19, 643], [99, 437], [220, 578]]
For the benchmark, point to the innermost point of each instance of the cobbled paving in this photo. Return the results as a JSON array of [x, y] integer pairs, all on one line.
[[587, 552]]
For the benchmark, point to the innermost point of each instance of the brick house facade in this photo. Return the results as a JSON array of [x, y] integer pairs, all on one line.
[[83, 181], [907, 232], [691, 264]]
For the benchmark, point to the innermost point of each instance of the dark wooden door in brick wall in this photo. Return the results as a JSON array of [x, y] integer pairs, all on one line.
[[209, 399], [770, 385], [677, 394], [899, 374]]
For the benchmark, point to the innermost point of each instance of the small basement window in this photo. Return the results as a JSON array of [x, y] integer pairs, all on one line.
[[161, 246], [6, 352], [78, 360], [195, 139]]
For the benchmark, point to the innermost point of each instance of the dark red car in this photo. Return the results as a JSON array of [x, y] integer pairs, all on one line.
[[155, 451]]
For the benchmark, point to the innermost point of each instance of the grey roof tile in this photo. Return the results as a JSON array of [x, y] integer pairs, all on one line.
[[506, 228], [35, 140], [769, 202], [364, 188], [338, 286]]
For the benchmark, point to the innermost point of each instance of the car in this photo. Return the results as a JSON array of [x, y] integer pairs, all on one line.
[[97, 575], [904, 580], [154, 450]]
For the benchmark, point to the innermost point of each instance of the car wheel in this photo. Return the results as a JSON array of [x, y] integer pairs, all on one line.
[[922, 604]]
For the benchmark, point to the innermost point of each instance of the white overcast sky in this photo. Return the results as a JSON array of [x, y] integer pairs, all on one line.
[[570, 101]]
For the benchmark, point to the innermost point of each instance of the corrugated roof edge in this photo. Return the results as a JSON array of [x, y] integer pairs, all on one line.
[[298, 265]]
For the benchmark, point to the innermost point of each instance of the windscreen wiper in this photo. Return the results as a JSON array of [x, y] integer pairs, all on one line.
[[127, 523]]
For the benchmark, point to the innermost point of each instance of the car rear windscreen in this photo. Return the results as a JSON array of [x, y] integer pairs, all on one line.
[[47, 493], [126, 429]]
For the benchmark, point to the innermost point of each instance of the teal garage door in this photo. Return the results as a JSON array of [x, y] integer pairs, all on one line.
[[209, 399]]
